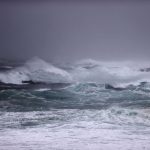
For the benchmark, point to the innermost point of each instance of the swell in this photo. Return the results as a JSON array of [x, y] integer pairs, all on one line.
[[76, 96], [77, 102]]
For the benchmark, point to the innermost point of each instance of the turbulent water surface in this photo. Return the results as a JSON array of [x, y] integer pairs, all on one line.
[[88, 105]]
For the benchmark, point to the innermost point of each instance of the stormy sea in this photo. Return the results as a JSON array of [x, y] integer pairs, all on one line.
[[84, 105]]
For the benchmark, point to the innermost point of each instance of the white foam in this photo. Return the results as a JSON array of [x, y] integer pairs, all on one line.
[[115, 73], [36, 70], [43, 89], [84, 129]]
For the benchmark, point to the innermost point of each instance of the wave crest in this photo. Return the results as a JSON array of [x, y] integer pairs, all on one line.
[[114, 73], [36, 70]]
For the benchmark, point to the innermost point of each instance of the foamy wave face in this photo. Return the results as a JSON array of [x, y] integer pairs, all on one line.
[[114, 73], [36, 70]]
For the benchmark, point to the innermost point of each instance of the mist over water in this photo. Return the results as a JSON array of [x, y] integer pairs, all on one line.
[[88, 88]]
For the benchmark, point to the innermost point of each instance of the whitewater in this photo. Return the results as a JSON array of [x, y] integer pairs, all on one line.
[[83, 105]]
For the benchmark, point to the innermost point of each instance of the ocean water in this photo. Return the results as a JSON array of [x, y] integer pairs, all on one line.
[[85, 105]]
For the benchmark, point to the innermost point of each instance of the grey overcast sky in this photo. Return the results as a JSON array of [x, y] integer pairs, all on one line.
[[64, 30]]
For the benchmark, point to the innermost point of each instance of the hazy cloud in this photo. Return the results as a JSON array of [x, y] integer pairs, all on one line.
[[66, 31]]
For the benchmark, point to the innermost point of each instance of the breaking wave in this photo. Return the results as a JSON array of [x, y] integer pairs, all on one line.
[[103, 98], [114, 73], [36, 70], [86, 71]]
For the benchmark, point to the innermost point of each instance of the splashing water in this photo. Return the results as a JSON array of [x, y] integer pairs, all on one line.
[[104, 106]]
